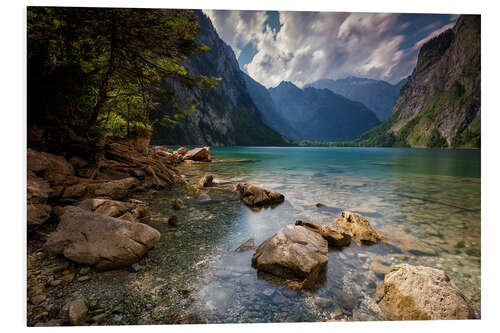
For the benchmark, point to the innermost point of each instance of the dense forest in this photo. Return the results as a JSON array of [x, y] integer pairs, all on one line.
[[98, 71]]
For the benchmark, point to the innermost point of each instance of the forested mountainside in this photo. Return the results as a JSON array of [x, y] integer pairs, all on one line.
[[440, 106], [319, 114], [377, 95], [224, 115]]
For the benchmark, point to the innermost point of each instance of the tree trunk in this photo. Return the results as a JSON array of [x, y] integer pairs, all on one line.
[[102, 96]]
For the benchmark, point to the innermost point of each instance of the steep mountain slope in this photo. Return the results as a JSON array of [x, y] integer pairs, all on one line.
[[379, 96], [440, 106], [319, 114], [226, 114], [268, 111]]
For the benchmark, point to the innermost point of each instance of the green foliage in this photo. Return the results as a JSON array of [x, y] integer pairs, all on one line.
[[101, 69]]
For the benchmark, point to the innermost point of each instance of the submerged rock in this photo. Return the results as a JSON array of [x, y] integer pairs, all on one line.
[[248, 245], [178, 204], [359, 227], [418, 292], [406, 242], [198, 154], [207, 181], [255, 196], [294, 252], [99, 240], [334, 237]]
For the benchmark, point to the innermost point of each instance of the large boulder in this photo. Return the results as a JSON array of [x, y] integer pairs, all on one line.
[[255, 196], [198, 154], [418, 292], [181, 151], [105, 242], [293, 253], [334, 237], [359, 227]]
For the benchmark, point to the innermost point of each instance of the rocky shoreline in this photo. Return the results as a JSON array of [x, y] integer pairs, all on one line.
[[84, 223]]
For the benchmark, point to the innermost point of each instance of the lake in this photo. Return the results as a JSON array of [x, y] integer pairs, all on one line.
[[427, 200]]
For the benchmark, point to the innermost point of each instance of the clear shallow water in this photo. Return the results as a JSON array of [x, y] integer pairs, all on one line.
[[427, 200]]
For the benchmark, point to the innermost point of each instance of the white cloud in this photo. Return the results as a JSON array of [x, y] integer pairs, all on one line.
[[316, 45]]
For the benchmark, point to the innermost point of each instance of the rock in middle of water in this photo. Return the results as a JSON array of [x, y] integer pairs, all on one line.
[[255, 196], [293, 252]]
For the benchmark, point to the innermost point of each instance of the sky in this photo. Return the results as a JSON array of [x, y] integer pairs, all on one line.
[[303, 47]]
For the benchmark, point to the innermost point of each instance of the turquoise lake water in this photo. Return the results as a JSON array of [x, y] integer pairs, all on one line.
[[426, 200]]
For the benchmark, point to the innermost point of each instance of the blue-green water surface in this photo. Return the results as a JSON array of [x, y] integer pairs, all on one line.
[[426, 201]]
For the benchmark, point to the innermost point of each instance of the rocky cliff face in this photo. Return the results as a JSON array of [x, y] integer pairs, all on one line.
[[377, 95], [226, 114], [440, 106], [321, 115]]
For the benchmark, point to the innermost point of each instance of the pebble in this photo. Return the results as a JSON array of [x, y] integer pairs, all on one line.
[[83, 278], [99, 318], [55, 283], [136, 267], [84, 270], [38, 299], [268, 292]]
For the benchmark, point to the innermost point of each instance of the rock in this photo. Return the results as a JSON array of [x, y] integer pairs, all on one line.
[[36, 161], [293, 252], [51, 323], [115, 189], [406, 242], [136, 267], [55, 283], [178, 204], [418, 292], [198, 154], [255, 196], [38, 189], [102, 241], [182, 151], [134, 211], [207, 181], [319, 204], [107, 207], [83, 278], [99, 318], [166, 156], [360, 229], [75, 311], [38, 299], [55, 169], [37, 214], [248, 245], [84, 270], [68, 276], [173, 220], [78, 162], [379, 268], [334, 237]]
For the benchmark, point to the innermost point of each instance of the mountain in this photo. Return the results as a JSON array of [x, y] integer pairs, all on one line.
[[226, 114], [268, 110], [379, 96], [321, 115], [440, 106]]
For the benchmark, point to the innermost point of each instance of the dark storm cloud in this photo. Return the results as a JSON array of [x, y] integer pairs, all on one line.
[[306, 46]]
